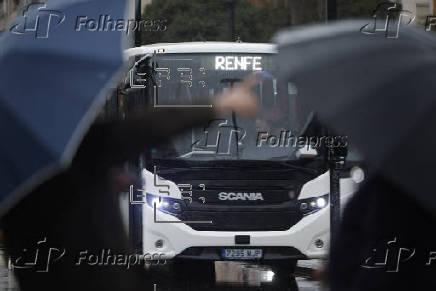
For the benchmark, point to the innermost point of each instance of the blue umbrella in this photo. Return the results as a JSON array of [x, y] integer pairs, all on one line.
[[57, 63]]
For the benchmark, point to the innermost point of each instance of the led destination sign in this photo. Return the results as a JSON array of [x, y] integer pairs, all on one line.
[[238, 63]]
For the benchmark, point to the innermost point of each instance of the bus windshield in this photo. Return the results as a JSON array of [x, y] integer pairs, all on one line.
[[194, 79]]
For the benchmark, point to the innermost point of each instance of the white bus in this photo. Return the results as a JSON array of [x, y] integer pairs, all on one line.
[[239, 188]]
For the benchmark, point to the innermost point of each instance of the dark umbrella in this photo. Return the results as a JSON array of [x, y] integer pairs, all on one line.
[[57, 63], [378, 91]]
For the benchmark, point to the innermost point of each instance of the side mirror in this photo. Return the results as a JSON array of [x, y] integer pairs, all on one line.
[[306, 153]]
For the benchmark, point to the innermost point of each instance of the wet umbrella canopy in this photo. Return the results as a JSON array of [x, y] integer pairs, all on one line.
[[379, 91], [54, 74]]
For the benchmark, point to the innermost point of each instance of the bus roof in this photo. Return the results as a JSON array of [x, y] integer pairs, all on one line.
[[202, 47]]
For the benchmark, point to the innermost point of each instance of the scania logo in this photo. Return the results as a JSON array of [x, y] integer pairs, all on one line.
[[240, 196]]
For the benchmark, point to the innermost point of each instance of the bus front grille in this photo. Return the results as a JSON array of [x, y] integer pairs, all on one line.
[[241, 221]]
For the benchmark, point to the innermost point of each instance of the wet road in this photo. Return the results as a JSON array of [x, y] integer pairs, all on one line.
[[228, 276], [244, 276]]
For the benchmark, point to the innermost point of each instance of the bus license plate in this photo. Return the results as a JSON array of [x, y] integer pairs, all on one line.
[[241, 254]]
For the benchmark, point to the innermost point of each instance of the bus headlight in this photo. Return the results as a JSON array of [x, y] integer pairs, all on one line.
[[165, 204], [321, 202], [311, 205]]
